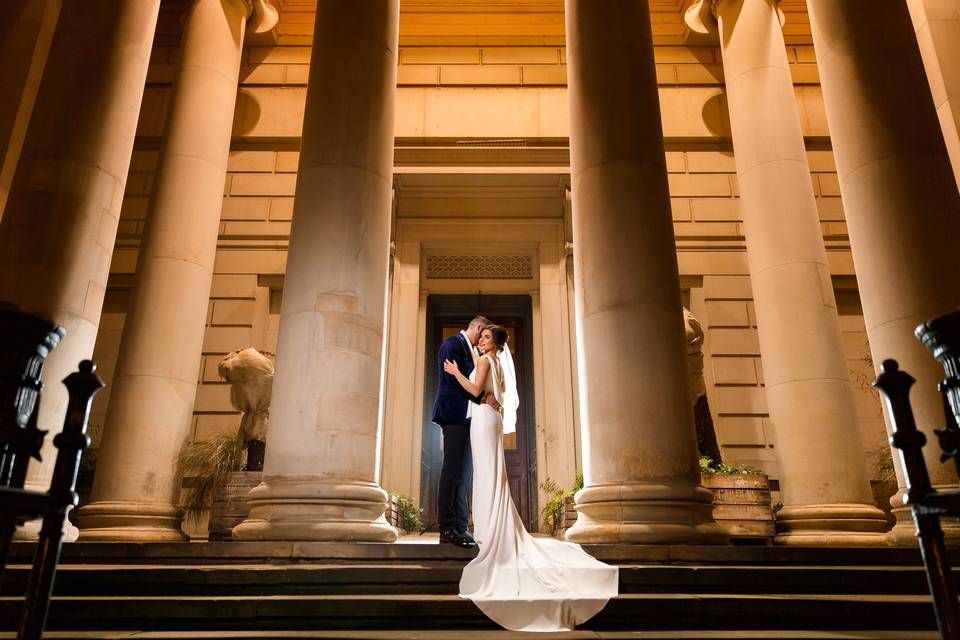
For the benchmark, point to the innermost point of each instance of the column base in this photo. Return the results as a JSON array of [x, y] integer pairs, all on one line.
[[114, 521], [310, 509], [831, 525], [30, 531], [904, 531], [672, 512]]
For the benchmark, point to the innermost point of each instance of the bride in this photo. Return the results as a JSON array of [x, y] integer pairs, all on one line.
[[520, 582]]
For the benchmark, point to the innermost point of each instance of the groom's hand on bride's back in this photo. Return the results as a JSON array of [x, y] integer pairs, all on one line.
[[492, 401]]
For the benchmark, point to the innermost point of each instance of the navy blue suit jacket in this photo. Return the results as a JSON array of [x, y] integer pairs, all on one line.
[[450, 404]]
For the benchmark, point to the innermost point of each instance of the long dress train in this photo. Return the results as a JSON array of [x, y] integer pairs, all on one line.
[[521, 582]]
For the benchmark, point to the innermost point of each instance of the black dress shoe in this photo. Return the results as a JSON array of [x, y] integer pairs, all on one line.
[[469, 536], [456, 538]]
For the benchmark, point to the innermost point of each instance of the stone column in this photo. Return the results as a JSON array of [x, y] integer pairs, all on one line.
[[26, 31], [937, 24], [826, 492], [639, 444], [135, 492], [899, 195], [60, 222], [320, 476]]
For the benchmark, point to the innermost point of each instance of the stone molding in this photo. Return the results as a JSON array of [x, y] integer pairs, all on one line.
[[262, 15], [702, 15]]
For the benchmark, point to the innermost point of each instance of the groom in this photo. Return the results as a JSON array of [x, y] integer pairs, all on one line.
[[450, 413]]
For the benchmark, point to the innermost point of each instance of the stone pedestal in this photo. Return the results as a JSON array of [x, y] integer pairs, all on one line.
[[60, 221], [136, 491], [826, 492], [320, 478], [639, 445], [900, 198]]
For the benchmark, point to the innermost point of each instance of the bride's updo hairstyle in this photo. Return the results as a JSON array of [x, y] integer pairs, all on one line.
[[500, 335]]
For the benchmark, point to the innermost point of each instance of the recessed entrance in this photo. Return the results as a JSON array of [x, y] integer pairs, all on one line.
[[446, 315]]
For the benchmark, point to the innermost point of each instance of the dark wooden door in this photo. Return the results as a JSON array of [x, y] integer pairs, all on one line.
[[517, 446]]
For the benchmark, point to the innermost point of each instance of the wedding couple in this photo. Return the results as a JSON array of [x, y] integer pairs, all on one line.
[[520, 582]]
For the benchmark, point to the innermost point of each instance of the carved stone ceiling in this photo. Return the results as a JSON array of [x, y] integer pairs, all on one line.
[[512, 22]]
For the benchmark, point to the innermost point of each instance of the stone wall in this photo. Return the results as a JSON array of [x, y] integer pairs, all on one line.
[[468, 93]]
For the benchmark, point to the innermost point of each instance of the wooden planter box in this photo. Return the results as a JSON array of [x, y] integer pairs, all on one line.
[[230, 506], [741, 505], [392, 514], [569, 515]]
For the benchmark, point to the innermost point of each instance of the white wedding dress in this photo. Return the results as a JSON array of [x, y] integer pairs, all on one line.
[[521, 582]]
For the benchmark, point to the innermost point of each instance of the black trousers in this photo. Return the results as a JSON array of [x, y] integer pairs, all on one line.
[[455, 478]]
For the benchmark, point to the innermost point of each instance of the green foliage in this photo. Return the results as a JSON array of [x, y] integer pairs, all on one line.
[[552, 514], [709, 467], [407, 513], [209, 463], [577, 482]]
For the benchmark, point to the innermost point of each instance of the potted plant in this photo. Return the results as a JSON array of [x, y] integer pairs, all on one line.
[[560, 512], [741, 500], [207, 467], [403, 513]]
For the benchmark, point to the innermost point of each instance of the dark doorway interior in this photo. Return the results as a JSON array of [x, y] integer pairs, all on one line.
[[446, 315]]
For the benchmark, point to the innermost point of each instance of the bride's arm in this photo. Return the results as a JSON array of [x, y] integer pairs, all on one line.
[[473, 388]]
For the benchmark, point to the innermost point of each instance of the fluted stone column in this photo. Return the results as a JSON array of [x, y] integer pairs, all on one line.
[[826, 493], [937, 24], [136, 492], [320, 478], [60, 222], [899, 195], [639, 443]]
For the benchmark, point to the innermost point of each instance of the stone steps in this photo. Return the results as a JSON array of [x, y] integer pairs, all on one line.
[[487, 634], [411, 549], [289, 589], [442, 578], [662, 611]]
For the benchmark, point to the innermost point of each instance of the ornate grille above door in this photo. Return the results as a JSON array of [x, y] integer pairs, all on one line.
[[479, 267]]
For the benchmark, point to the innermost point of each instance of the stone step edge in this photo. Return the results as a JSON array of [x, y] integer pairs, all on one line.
[[429, 634], [219, 552], [804, 597], [305, 567]]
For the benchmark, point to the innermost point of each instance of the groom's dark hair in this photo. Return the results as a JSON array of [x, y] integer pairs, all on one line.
[[481, 321]]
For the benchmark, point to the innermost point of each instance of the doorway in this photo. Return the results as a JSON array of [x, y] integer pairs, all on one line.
[[446, 316]]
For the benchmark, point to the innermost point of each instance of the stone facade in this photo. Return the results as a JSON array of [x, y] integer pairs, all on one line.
[[482, 138]]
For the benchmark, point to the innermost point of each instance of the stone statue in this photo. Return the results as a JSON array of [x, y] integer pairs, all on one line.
[[706, 434], [693, 334], [250, 374]]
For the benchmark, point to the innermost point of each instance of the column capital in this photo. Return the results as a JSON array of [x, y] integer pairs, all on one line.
[[702, 15], [262, 15]]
